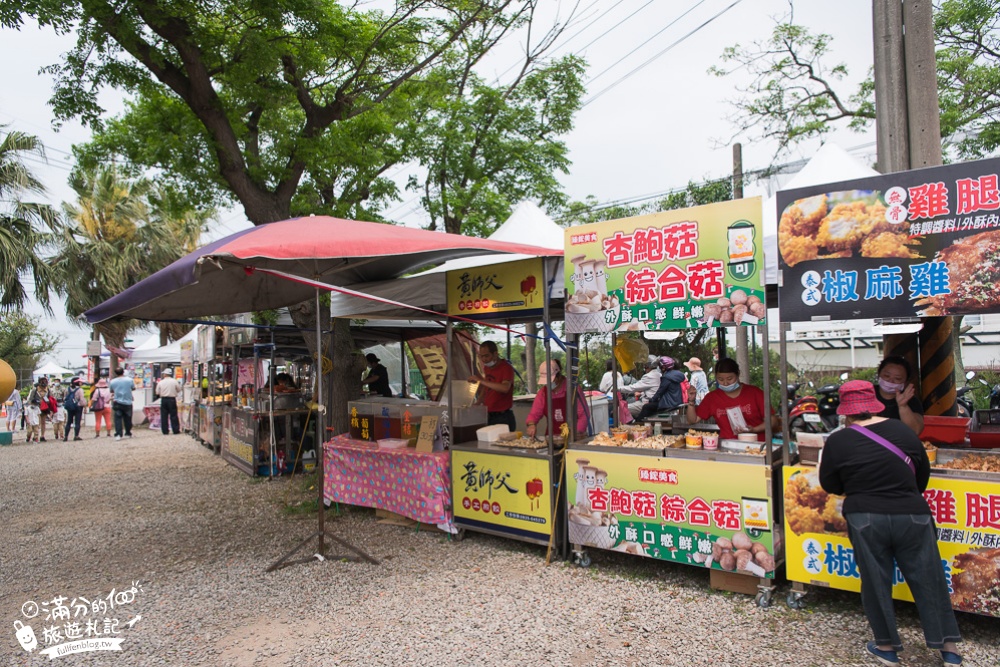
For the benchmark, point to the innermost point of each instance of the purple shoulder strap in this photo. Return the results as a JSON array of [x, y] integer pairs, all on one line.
[[888, 445]]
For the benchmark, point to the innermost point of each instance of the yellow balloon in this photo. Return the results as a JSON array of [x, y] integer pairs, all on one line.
[[8, 380]]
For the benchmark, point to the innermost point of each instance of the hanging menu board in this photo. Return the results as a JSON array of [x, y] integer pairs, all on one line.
[[682, 269], [914, 243]]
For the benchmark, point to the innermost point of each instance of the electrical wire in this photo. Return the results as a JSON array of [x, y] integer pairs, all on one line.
[[650, 39], [661, 53]]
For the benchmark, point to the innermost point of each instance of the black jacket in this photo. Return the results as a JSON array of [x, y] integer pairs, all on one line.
[[669, 395]]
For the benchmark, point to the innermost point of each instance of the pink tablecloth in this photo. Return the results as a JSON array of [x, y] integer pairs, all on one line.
[[414, 484]]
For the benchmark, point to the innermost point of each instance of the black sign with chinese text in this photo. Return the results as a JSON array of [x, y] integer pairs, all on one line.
[[923, 242]]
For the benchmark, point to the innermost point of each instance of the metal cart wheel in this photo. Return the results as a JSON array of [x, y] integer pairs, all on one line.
[[795, 600], [581, 558], [763, 599], [459, 536]]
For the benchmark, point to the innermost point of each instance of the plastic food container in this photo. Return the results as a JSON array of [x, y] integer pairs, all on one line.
[[692, 441], [944, 430], [491, 433], [392, 443], [710, 442], [746, 437]]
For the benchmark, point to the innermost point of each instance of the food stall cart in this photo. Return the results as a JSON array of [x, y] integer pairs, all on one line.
[[713, 504], [213, 389], [266, 427], [916, 243], [506, 487]]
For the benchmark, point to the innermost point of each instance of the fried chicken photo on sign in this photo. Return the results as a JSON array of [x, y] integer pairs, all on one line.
[[977, 586], [845, 227], [973, 274], [797, 229], [888, 244], [795, 249]]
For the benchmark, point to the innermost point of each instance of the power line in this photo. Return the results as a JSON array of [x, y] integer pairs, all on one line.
[[603, 34], [661, 53], [654, 36]]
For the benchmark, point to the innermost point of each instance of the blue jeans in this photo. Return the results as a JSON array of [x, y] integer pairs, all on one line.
[[882, 541]]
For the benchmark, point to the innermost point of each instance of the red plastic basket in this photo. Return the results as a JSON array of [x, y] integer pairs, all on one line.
[[945, 430], [984, 433]]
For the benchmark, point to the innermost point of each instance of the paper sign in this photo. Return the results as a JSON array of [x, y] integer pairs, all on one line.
[[428, 427]]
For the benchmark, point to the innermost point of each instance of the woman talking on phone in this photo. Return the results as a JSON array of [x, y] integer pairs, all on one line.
[[895, 390]]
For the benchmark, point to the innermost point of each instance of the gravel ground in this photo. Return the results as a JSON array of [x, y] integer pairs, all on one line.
[[84, 518]]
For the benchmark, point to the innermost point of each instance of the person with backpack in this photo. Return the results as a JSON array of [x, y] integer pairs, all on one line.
[[74, 403], [669, 395], [100, 405]]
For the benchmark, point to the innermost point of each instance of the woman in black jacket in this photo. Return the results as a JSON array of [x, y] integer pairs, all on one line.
[[882, 470]]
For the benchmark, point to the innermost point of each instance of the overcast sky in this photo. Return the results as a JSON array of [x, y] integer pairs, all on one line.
[[659, 126]]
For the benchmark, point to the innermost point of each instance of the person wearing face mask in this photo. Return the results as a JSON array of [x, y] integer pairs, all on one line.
[[894, 390], [550, 379], [496, 386], [737, 407]]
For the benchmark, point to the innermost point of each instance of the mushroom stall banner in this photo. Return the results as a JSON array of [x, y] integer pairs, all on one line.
[[682, 269], [914, 243]]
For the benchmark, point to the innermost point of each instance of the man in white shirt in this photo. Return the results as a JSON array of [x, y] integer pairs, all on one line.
[[167, 390], [638, 393]]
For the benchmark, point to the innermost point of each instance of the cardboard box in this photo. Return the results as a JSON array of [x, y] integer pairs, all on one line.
[[733, 582]]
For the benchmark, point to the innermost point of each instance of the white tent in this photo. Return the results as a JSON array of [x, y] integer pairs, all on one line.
[[167, 354], [428, 289], [51, 368], [830, 164]]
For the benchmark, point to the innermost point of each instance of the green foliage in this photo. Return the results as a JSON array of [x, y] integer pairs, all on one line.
[[22, 224], [694, 194], [23, 342], [794, 95]]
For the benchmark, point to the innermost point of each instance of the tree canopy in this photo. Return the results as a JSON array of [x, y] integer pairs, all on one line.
[[795, 94]]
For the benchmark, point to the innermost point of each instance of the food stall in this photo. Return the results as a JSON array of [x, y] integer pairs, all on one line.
[[266, 426], [508, 485], [913, 244], [683, 496], [213, 389]]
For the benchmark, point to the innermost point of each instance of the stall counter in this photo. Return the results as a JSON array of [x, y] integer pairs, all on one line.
[[966, 508]]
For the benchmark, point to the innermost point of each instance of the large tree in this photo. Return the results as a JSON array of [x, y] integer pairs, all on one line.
[[23, 342], [22, 224], [795, 94], [283, 107]]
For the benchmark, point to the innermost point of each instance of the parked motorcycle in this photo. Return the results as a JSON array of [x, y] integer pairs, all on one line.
[[803, 413], [965, 404], [995, 397], [829, 401]]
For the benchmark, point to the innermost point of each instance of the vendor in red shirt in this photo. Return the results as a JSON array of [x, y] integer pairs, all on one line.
[[550, 378], [496, 386], [737, 407]]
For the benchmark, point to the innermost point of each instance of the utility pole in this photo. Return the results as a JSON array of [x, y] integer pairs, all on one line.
[[742, 347], [908, 128]]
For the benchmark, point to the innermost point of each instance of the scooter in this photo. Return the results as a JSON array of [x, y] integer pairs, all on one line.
[[829, 401], [966, 406], [803, 413]]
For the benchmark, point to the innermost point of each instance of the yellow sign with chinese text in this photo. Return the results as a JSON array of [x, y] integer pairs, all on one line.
[[966, 514], [482, 291], [510, 494]]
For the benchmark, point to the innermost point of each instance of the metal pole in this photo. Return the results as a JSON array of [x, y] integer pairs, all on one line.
[[320, 424], [402, 362]]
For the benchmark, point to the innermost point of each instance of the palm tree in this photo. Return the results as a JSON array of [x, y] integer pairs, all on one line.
[[117, 233], [22, 224]]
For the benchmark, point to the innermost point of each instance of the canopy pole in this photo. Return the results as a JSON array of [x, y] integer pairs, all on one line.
[[321, 531]]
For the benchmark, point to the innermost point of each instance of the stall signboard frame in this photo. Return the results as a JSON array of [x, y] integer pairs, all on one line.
[[966, 516], [239, 438], [490, 291], [672, 509], [681, 269], [502, 493], [915, 243]]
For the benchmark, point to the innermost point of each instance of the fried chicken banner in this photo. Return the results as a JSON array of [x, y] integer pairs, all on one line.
[[967, 517], [682, 269], [923, 242]]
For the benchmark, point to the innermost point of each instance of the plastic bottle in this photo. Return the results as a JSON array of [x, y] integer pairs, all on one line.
[[657, 429]]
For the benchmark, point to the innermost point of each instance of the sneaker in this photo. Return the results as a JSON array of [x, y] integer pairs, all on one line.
[[118, 437], [885, 657], [949, 658], [98, 435], [77, 438], [40, 439]]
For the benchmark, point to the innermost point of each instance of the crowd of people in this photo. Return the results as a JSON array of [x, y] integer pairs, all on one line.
[[54, 408]]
